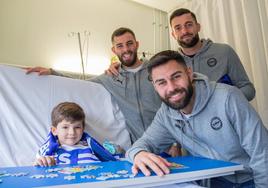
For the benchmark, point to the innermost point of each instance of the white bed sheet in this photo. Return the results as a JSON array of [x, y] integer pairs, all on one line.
[[26, 102]]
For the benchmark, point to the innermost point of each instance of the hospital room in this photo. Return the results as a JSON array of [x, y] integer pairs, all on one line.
[[134, 93]]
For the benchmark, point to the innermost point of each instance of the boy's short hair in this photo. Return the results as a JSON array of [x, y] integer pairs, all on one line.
[[121, 31], [162, 58], [68, 111]]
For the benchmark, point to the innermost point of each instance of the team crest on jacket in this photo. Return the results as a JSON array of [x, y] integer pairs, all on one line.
[[216, 123], [212, 62]]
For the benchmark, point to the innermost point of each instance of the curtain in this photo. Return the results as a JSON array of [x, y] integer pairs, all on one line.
[[243, 24]]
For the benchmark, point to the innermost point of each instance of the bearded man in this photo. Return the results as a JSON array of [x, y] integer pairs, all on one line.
[[219, 62], [208, 119]]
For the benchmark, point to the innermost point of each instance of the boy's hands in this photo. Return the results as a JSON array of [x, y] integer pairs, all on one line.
[[45, 161], [145, 161], [39, 70], [113, 69]]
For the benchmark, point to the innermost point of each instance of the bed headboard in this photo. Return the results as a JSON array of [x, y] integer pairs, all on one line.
[[26, 102]]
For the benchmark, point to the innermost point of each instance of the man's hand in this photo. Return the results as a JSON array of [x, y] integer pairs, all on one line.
[[45, 161], [175, 150], [39, 70], [145, 161], [113, 69]]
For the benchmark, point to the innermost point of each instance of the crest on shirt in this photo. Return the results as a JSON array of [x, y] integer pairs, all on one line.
[[216, 123], [212, 62]]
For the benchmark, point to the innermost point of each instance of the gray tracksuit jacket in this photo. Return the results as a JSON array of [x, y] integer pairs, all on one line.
[[135, 96], [216, 60], [222, 125]]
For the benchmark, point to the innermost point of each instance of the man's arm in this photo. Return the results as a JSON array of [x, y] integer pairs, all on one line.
[[155, 139], [39, 70], [239, 76], [44, 71], [96, 79], [253, 136]]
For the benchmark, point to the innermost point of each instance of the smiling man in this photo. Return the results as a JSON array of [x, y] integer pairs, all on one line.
[[208, 119], [125, 47], [131, 89], [217, 61]]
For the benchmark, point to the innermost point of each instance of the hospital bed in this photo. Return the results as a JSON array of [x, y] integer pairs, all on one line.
[[26, 102]]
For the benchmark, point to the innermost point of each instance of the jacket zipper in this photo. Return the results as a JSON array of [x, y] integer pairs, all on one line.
[[139, 101]]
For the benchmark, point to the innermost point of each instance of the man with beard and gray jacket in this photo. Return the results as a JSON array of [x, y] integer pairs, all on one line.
[[131, 89], [208, 119], [218, 62]]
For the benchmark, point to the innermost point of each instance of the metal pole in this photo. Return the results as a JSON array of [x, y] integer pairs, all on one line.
[[81, 55]]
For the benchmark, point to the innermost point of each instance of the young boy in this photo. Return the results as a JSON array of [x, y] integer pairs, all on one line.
[[67, 143]]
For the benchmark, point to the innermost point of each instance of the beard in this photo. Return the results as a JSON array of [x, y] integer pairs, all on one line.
[[189, 44], [183, 102], [131, 61]]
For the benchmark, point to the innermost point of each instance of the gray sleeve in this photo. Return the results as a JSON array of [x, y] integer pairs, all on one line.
[[155, 139], [95, 79], [253, 136], [76, 76], [57, 73], [239, 76]]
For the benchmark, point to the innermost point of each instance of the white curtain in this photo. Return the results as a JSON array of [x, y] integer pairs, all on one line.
[[243, 24]]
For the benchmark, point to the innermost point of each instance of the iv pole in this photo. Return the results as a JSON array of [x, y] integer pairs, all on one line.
[[81, 55]]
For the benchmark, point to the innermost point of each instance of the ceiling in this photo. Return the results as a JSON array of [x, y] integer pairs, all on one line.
[[164, 5]]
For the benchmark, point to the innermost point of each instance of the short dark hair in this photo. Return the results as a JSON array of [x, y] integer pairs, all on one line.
[[68, 111], [180, 12], [162, 58], [121, 31]]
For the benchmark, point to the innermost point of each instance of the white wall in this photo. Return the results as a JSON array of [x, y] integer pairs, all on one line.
[[35, 32]]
